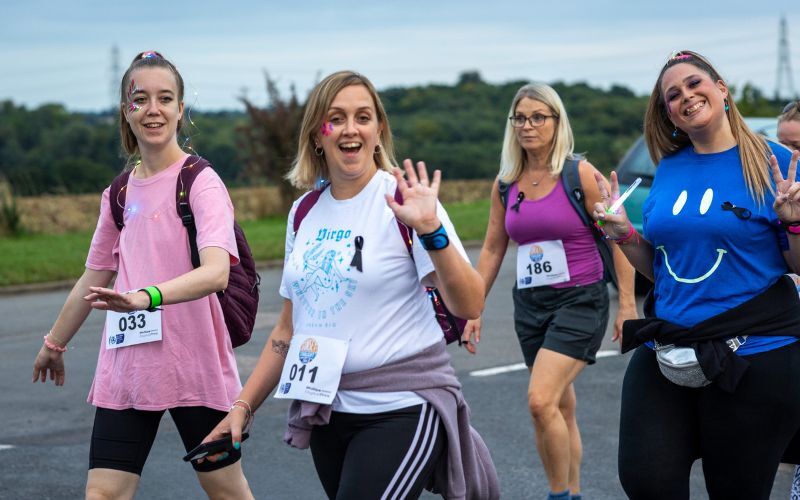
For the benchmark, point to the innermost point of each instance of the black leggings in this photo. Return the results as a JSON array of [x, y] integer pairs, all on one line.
[[388, 455], [740, 437]]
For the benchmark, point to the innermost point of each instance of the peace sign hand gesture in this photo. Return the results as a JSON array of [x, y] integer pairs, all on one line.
[[418, 210], [615, 225], [787, 197]]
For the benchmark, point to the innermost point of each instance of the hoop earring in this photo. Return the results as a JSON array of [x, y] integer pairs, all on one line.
[[377, 149], [319, 151]]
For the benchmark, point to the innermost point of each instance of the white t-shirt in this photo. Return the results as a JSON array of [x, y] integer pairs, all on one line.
[[383, 310]]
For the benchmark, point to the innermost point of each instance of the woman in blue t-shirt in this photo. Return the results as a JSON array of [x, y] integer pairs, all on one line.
[[721, 228]]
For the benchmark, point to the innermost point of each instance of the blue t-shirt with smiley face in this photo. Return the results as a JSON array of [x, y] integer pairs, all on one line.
[[708, 259]]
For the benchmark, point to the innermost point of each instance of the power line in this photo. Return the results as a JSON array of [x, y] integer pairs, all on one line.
[[114, 77], [784, 64]]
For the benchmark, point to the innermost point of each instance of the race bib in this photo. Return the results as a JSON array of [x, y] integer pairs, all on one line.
[[312, 369], [541, 263], [131, 328]]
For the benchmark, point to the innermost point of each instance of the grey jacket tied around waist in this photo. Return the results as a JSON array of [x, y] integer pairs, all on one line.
[[468, 472]]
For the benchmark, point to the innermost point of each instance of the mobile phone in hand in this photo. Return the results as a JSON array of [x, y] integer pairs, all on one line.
[[212, 447]]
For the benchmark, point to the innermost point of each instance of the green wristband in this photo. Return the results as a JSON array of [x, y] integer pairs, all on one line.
[[155, 297]]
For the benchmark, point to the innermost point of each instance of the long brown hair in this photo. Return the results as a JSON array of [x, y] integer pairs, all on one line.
[[664, 139], [147, 59]]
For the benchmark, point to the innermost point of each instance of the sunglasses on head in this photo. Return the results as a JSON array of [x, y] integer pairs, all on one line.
[[788, 107]]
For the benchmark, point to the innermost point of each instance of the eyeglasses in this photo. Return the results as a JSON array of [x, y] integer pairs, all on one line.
[[788, 107], [537, 120]]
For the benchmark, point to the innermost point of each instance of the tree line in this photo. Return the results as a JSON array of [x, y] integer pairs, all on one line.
[[456, 128]]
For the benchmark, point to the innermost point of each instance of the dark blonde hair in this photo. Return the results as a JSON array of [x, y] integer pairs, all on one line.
[[147, 59], [658, 129], [307, 166]]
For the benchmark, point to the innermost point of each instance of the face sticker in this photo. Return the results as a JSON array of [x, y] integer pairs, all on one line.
[[132, 107], [326, 128]]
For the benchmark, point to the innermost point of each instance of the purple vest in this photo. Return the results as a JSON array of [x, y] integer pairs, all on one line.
[[553, 218]]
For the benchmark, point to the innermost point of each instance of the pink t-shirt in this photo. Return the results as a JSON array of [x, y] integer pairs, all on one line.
[[193, 364]]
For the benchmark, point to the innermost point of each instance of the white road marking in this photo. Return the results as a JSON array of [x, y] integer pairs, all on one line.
[[487, 372], [6, 447]]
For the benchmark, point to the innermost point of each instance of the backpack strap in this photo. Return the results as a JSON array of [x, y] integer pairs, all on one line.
[[571, 180], [503, 188], [406, 232], [305, 206], [116, 198], [188, 173]]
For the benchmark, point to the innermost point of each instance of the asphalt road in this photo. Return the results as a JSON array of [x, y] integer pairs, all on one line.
[[45, 430]]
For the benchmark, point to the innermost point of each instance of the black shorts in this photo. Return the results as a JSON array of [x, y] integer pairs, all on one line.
[[121, 439], [570, 321]]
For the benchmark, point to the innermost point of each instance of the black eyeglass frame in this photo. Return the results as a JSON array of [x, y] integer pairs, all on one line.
[[529, 119]]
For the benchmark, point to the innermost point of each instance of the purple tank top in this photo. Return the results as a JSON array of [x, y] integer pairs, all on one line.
[[553, 218]]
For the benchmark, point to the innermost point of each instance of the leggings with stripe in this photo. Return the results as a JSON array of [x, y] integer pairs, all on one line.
[[389, 455]]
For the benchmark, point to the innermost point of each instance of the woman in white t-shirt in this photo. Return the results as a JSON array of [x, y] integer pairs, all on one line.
[[355, 306]]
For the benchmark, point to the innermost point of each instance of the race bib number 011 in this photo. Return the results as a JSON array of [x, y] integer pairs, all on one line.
[[541, 263], [131, 328], [312, 369]]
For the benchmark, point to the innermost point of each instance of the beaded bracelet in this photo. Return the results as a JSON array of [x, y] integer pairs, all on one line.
[[241, 403], [52, 346]]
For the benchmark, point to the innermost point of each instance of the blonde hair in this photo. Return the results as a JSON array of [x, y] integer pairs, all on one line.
[[308, 167], [512, 157], [658, 129]]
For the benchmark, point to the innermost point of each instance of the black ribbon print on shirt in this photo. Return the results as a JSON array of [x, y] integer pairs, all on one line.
[[356, 262], [520, 197]]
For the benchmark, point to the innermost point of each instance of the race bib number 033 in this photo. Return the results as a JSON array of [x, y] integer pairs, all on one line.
[[312, 369], [541, 263], [131, 328]]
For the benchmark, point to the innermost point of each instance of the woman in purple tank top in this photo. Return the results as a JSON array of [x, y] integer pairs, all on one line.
[[560, 297]]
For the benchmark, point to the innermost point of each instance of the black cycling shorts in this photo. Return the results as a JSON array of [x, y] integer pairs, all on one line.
[[121, 439]]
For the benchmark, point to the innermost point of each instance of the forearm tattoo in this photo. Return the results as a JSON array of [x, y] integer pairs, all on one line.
[[280, 347]]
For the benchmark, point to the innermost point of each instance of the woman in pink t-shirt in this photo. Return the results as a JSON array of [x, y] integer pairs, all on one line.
[[165, 345]]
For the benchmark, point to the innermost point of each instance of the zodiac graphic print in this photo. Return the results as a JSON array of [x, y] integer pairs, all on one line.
[[326, 281]]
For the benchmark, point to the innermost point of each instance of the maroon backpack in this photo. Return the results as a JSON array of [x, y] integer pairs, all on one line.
[[240, 300], [452, 326]]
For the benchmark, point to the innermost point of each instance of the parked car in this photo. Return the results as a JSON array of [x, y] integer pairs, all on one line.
[[637, 163]]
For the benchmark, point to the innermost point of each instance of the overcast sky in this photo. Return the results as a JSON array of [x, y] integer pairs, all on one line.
[[60, 51]]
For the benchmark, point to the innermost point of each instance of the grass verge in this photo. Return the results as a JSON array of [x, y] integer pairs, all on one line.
[[42, 258]]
